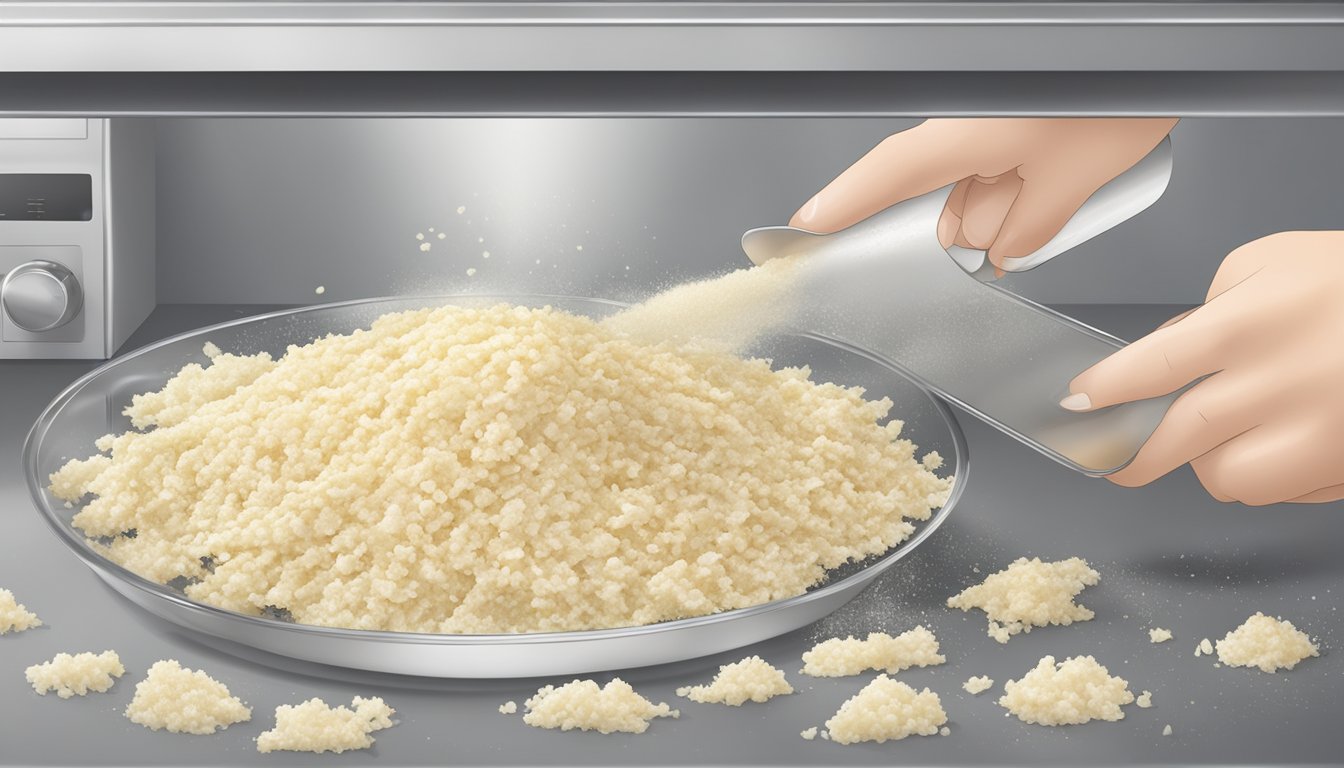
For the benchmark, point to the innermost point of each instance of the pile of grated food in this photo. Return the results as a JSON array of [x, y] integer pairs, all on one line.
[[501, 469]]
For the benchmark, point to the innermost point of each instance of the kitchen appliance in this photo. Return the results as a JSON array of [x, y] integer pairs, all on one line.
[[92, 407], [76, 235]]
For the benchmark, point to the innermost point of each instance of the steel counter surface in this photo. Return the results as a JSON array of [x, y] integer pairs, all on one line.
[[1168, 555]]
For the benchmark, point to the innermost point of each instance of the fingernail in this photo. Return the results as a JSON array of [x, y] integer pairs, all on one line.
[[809, 211], [1078, 401]]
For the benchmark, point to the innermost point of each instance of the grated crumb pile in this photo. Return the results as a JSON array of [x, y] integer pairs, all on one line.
[[315, 727], [582, 704], [495, 470], [14, 617], [1266, 643], [1029, 593], [1076, 690], [978, 685], [181, 700], [885, 710], [751, 679], [76, 675], [880, 651]]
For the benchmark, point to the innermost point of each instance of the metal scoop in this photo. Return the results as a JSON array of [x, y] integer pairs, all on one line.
[[886, 284]]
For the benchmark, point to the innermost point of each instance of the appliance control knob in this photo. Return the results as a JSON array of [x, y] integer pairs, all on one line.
[[41, 296]]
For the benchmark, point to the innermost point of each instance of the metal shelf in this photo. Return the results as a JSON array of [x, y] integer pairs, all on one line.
[[654, 94], [670, 36]]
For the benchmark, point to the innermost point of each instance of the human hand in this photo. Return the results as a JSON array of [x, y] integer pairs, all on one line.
[[1019, 180], [1267, 425]]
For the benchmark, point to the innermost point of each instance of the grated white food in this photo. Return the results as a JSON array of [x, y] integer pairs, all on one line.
[[728, 312], [1204, 648], [978, 685], [508, 708], [1144, 700], [76, 675], [1166, 730], [582, 704], [1159, 635], [850, 656], [1074, 691], [14, 617], [885, 710], [1029, 593], [498, 470], [315, 727], [182, 700], [1266, 643], [751, 679], [944, 731], [809, 733]]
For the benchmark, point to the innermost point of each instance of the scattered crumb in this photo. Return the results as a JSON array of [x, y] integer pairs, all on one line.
[[461, 209], [1144, 700], [76, 675], [751, 679], [1204, 648], [319, 290], [471, 271], [1029, 593], [582, 704], [442, 235], [211, 351], [1159, 635], [944, 731], [851, 656], [885, 710], [419, 235], [932, 460], [181, 700], [1166, 730], [14, 617], [1074, 691], [1267, 643], [977, 685], [508, 708], [826, 735], [578, 247], [810, 733], [424, 247], [314, 727]]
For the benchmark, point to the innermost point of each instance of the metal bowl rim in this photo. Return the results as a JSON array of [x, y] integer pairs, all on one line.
[[80, 546]]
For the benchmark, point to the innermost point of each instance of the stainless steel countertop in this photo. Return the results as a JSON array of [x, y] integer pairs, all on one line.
[[1168, 555]]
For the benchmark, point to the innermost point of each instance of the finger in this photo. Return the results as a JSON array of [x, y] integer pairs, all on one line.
[[1330, 493], [1159, 363], [949, 223], [985, 208], [1176, 319], [902, 166], [1042, 208], [1265, 465], [1216, 410]]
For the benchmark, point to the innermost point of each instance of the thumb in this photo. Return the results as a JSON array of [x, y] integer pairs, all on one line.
[[1159, 363], [904, 165]]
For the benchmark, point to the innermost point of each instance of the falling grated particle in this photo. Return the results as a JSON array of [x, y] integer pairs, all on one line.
[[424, 246], [461, 209], [321, 289]]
